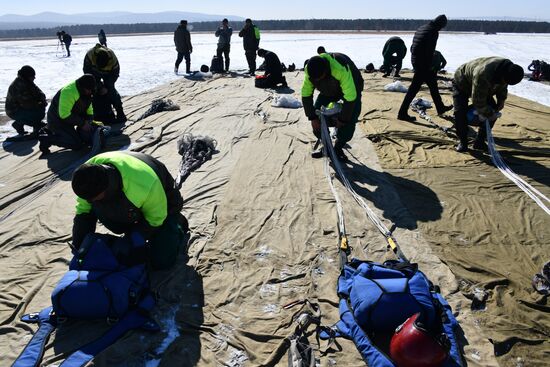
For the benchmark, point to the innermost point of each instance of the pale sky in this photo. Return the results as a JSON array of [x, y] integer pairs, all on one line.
[[285, 9]]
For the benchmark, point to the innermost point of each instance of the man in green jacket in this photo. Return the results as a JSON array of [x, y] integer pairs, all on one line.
[[251, 41], [130, 193], [25, 102], [103, 64], [336, 78], [70, 116], [480, 80]]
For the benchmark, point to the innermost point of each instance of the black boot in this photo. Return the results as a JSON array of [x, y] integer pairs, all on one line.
[[120, 116], [444, 109], [18, 126], [479, 144], [340, 154], [462, 147], [404, 116]]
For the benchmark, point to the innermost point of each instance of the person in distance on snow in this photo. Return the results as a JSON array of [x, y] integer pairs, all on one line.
[[102, 38], [224, 33], [25, 102], [394, 52], [422, 52], [481, 80], [182, 40], [273, 69], [251, 41], [438, 62], [66, 39]]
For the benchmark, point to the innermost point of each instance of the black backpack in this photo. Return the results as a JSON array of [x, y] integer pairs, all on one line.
[[217, 65]]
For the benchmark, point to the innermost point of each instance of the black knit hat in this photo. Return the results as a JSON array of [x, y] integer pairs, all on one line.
[[26, 72], [317, 67], [514, 74], [261, 52], [90, 180], [441, 21], [86, 81]]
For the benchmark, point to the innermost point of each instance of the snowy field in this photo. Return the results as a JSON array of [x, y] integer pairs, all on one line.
[[148, 61]]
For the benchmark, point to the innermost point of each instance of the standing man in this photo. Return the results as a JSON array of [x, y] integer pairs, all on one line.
[[182, 40], [224, 33], [103, 64], [251, 41], [131, 193], [102, 38], [422, 52], [66, 39], [481, 79], [394, 52], [336, 77], [25, 102], [70, 115]]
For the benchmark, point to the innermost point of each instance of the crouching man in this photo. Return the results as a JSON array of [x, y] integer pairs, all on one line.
[[336, 77], [132, 194], [481, 79]]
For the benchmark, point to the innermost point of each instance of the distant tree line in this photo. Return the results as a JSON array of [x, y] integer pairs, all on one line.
[[500, 26]]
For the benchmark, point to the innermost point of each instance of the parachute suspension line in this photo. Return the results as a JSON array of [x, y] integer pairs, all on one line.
[[532, 192], [328, 148], [329, 154]]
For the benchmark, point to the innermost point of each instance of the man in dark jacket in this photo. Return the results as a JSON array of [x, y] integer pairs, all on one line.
[[273, 69], [481, 79], [182, 40], [103, 64], [251, 41], [438, 62], [422, 52], [25, 102], [131, 193], [224, 33], [70, 115], [67, 39], [394, 52], [102, 38], [336, 77]]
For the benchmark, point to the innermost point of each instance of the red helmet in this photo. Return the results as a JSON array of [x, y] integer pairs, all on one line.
[[413, 346]]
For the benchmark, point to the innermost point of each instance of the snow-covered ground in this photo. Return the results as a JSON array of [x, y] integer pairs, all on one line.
[[148, 61]]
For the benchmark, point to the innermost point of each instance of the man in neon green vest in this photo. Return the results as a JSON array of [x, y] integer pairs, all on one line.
[[337, 78], [131, 193]]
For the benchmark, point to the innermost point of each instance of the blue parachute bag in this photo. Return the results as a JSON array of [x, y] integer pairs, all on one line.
[[376, 298], [98, 294], [97, 285], [95, 253], [382, 298]]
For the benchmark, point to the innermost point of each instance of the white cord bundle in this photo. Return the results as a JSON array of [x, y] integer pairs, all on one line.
[[533, 193]]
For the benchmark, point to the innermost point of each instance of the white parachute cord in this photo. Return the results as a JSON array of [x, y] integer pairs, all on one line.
[[326, 151], [532, 192], [327, 144]]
